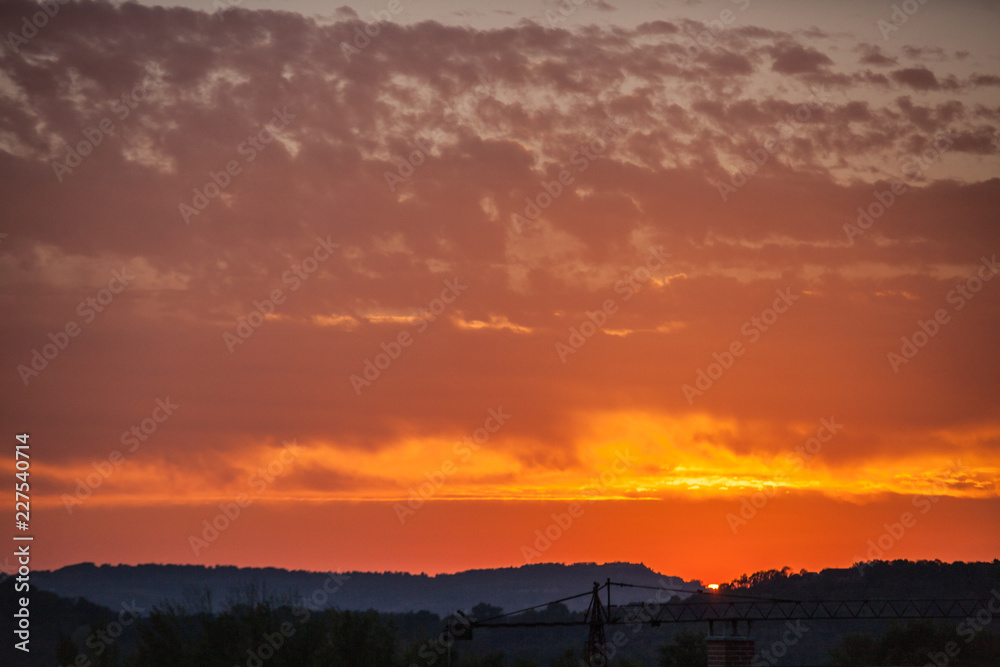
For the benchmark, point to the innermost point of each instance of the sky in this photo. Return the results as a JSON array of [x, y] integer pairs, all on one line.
[[704, 285]]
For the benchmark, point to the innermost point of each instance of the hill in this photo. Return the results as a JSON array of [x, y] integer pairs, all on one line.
[[509, 588], [248, 604], [54, 620]]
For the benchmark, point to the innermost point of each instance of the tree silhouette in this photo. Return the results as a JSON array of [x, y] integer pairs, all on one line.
[[688, 650], [66, 650]]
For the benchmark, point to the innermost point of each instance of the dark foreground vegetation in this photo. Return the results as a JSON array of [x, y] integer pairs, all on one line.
[[249, 628]]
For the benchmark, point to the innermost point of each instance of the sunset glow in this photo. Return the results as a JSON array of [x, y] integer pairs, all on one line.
[[720, 276]]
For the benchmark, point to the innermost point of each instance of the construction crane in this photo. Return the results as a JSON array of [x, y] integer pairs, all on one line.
[[721, 607]]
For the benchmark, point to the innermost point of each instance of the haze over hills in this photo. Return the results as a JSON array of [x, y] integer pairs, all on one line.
[[511, 588]]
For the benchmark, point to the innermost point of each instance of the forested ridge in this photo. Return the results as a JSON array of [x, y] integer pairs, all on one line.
[[250, 626]]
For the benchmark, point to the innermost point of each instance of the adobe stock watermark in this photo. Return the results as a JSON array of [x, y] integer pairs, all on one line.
[[628, 286], [779, 648], [967, 629], [705, 39], [101, 640], [272, 642], [294, 276], [619, 639], [405, 168], [565, 9], [551, 190], [467, 105], [912, 168], [258, 482], [929, 328], [901, 13], [392, 350], [88, 309], [94, 136], [432, 650], [760, 155], [562, 522], [319, 599], [894, 532], [799, 457], [752, 329], [30, 27], [463, 450], [248, 149], [363, 36], [137, 434], [220, 7]]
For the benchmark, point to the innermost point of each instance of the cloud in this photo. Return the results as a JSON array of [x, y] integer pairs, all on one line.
[[790, 58], [918, 78], [872, 55], [935, 53], [480, 125], [986, 80]]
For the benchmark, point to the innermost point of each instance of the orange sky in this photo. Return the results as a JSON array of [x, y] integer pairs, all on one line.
[[718, 295]]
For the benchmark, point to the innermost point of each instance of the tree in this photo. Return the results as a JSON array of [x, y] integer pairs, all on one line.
[[854, 650], [688, 650], [918, 642], [162, 638], [482, 611], [495, 659], [557, 611], [359, 638], [568, 659], [66, 650]]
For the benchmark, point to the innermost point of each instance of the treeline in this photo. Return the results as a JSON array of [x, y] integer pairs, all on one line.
[[957, 642], [266, 633], [900, 579], [919, 643], [511, 588], [254, 628], [263, 634]]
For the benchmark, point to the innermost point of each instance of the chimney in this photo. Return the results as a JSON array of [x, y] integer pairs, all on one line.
[[730, 652]]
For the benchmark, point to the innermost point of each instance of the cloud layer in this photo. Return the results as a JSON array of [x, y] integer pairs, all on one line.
[[576, 227]]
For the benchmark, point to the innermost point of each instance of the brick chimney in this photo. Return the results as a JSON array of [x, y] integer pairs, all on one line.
[[730, 652]]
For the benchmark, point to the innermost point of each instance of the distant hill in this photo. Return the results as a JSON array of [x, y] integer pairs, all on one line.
[[69, 626], [510, 588], [53, 618]]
